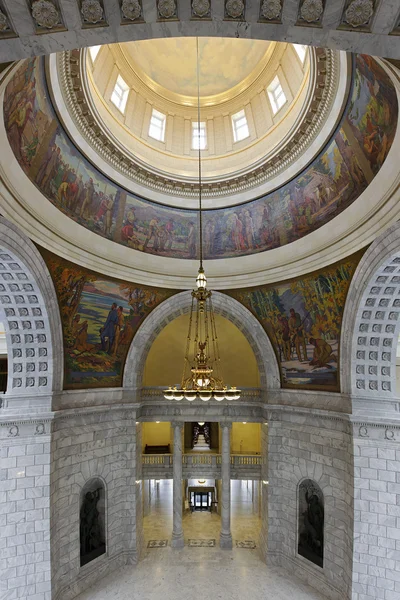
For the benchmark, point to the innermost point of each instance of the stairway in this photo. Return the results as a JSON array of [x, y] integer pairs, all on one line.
[[201, 443]]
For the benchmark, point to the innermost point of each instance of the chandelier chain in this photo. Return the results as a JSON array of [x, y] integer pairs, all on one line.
[[199, 152]]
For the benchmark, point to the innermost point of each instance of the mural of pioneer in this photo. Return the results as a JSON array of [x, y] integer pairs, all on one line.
[[335, 179], [303, 319], [100, 317]]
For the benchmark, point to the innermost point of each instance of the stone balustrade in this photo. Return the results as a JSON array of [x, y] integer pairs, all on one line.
[[160, 466]]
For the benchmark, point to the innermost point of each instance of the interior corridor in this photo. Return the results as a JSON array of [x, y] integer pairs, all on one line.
[[246, 523]]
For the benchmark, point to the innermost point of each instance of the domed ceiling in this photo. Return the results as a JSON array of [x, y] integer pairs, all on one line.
[[171, 63], [102, 218]]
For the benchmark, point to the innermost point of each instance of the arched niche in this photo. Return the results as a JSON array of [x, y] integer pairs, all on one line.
[[92, 520], [224, 305], [29, 312], [310, 525], [371, 326]]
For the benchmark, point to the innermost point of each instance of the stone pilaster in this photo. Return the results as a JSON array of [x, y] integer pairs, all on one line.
[[139, 494], [177, 540], [264, 491], [226, 535]]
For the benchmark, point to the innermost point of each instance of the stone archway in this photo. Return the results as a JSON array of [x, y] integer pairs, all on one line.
[[29, 310], [224, 305], [371, 322]]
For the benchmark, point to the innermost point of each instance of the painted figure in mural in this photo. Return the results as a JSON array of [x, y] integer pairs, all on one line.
[[283, 330], [209, 230], [248, 229], [297, 334], [191, 240], [153, 232], [108, 215], [88, 199], [49, 168], [169, 234], [118, 328], [322, 353], [237, 237], [18, 120], [107, 332]]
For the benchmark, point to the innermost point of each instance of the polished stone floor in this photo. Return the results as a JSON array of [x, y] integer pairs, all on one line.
[[245, 523], [210, 573]]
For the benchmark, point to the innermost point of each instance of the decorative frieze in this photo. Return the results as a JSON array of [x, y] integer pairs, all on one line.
[[166, 10], [201, 9], [92, 12], [311, 12], [131, 10], [358, 13], [271, 10], [234, 10], [45, 14]]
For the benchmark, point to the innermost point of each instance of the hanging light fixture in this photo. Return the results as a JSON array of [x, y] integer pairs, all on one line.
[[201, 378]]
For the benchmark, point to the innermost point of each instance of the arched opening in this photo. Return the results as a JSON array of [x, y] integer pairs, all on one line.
[[223, 305], [92, 521], [310, 541], [201, 445], [30, 319]]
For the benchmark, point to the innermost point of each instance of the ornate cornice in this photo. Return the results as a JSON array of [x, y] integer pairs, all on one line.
[[324, 78]]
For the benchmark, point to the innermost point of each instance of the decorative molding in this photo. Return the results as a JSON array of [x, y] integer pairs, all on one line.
[[201, 9], [311, 11], [234, 9], [271, 10], [45, 14], [92, 12], [131, 10], [358, 13], [4, 23], [166, 9], [71, 68]]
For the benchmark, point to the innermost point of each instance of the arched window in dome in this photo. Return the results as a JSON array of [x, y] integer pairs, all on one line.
[[276, 94], [157, 125], [199, 136], [240, 126], [310, 541], [119, 97]]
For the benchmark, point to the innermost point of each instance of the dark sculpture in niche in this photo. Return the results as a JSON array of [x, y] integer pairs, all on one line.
[[311, 522], [92, 521]]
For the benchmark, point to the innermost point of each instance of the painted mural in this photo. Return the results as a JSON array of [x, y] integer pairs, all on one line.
[[334, 180], [303, 319], [99, 316]]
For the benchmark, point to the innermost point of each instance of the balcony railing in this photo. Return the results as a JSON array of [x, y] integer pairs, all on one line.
[[161, 465]]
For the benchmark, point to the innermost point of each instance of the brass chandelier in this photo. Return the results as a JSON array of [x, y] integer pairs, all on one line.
[[201, 377]]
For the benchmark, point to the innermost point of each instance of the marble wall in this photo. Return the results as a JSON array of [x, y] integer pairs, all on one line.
[[97, 444], [303, 445], [376, 560]]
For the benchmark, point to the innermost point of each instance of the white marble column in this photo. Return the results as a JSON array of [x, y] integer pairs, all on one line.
[[225, 539], [177, 540]]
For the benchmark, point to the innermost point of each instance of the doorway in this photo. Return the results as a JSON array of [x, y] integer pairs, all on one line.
[[200, 500]]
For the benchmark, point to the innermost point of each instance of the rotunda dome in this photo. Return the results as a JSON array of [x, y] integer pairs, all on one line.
[[104, 158]]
